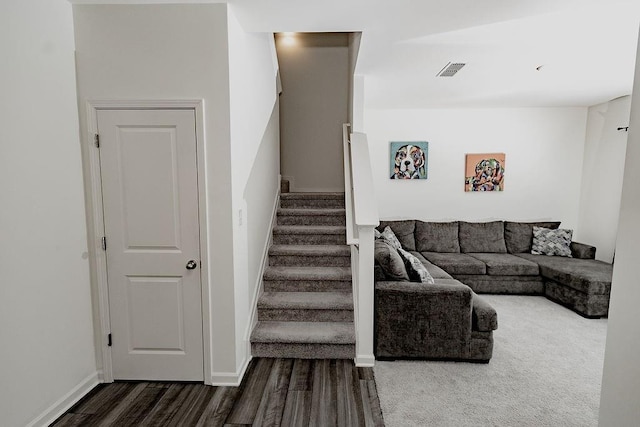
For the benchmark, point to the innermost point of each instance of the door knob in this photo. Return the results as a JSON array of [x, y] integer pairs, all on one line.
[[191, 264]]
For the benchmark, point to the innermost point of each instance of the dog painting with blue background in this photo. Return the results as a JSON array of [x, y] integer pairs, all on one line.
[[408, 160]]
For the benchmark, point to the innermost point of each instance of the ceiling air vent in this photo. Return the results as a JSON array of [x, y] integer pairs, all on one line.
[[450, 69]]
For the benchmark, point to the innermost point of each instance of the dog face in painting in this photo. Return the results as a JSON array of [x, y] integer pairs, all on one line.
[[410, 163], [489, 174]]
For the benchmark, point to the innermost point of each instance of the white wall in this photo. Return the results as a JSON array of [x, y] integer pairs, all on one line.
[[543, 146], [45, 302], [604, 153], [173, 52], [255, 147], [313, 106], [621, 376]]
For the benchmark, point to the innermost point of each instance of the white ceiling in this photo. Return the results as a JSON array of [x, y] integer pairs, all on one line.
[[587, 47]]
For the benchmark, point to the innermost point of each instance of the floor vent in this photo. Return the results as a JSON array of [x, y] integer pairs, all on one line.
[[450, 69]]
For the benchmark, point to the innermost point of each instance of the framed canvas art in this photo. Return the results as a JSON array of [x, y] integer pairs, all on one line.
[[408, 160], [484, 172]]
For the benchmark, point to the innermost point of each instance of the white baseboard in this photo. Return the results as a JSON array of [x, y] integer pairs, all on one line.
[[365, 360], [65, 402], [230, 379]]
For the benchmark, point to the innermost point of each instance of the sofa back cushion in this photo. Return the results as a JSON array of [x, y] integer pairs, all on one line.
[[388, 258], [486, 237], [518, 236], [403, 230], [437, 237]]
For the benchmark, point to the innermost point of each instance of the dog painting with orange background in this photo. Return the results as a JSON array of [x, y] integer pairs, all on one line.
[[485, 172]]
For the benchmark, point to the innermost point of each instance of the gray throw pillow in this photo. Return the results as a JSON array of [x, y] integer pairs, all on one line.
[[390, 261], [403, 229], [519, 235], [417, 271], [551, 242], [437, 237], [482, 237]]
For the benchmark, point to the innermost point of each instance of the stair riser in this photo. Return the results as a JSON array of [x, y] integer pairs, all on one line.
[[309, 239], [311, 220], [305, 315], [303, 261], [304, 351], [312, 203], [307, 286]]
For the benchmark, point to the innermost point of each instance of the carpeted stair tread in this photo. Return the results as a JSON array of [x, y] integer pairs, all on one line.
[[319, 215], [303, 350], [311, 212], [307, 273], [306, 300], [311, 196], [309, 229], [304, 333], [310, 250]]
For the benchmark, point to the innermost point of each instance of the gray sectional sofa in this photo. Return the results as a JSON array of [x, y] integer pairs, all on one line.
[[439, 322]]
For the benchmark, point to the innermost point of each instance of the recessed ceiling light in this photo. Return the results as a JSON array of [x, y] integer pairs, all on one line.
[[289, 40]]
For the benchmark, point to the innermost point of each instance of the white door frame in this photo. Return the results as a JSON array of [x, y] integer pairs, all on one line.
[[97, 212]]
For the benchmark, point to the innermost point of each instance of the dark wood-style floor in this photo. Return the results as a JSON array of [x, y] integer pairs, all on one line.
[[274, 392]]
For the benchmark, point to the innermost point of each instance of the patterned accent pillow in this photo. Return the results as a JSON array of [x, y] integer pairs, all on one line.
[[388, 235], [551, 242], [376, 234], [417, 271]]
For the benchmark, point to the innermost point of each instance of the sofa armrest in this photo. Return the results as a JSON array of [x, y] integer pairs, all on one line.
[[582, 251], [485, 318], [413, 319]]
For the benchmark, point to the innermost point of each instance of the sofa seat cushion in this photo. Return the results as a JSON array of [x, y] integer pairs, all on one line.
[[435, 271], [456, 263], [482, 237], [518, 236], [506, 285], [404, 231], [437, 237], [584, 275], [507, 265]]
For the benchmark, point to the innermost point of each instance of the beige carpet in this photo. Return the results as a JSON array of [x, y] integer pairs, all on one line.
[[546, 370]]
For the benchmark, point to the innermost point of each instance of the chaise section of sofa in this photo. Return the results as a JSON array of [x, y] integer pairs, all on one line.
[[583, 285]]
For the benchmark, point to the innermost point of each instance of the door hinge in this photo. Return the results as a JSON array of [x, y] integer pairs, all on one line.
[[109, 342], [96, 140], [104, 243]]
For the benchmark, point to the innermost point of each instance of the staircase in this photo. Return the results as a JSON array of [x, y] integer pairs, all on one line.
[[306, 310]]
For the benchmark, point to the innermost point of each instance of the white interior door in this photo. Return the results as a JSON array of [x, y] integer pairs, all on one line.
[[150, 198]]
